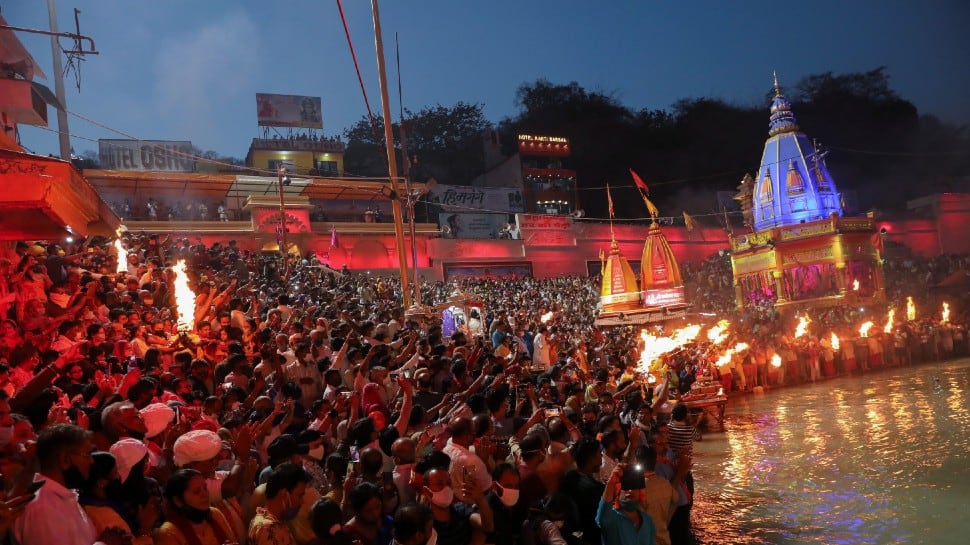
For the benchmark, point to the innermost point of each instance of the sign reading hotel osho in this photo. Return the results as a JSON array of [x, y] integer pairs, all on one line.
[[146, 155], [288, 111]]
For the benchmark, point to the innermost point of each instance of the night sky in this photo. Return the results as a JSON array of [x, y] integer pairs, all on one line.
[[189, 70]]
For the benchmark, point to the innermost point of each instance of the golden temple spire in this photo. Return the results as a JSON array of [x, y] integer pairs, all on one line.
[[618, 291], [777, 87]]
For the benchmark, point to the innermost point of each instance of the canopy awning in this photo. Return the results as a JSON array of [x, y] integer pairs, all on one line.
[[46, 198]]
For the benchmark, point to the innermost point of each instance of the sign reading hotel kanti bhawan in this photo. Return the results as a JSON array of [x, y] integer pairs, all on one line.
[[146, 155], [546, 146]]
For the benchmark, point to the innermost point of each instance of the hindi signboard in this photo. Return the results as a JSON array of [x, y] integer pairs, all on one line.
[[546, 229], [146, 155], [470, 225], [463, 198], [288, 111]]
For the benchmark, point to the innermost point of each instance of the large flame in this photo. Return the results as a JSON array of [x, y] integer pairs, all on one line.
[[855, 285], [910, 309], [184, 298], [729, 353], [776, 361], [718, 334], [654, 347], [946, 312], [122, 266], [546, 317], [802, 327], [889, 321], [835, 341], [864, 329]]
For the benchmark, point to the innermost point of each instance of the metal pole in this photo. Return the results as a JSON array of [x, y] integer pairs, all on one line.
[[391, 159], [410, 203], [414, 245], [63, 132], [280, 173]]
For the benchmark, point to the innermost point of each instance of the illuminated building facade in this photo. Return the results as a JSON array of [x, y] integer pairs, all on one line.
[[802, 252], [548, 188], [306, 156]]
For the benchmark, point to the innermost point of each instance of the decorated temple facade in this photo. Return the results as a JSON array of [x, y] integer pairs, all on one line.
[[801, 251], [619, 291], [660, 280], [660, 294]]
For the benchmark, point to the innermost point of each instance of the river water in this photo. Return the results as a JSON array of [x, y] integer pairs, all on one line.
[[877, 458]]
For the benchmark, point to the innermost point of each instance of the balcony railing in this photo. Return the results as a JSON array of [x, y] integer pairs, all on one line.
[[332, 145]]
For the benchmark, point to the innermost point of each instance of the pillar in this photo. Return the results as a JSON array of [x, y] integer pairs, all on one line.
[[840, 278], [779, 286]]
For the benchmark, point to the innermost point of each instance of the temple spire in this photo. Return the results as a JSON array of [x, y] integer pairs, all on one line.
[[793, 185], [782, 119]]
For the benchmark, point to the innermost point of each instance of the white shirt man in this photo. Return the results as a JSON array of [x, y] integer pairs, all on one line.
[[54, 502], [463, 461], [540, 350]]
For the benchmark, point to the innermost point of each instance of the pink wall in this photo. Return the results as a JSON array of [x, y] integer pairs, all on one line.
[[568, 252], [919, 236]]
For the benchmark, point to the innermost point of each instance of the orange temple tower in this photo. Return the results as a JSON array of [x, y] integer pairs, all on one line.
[[660, 280], [619, 291]]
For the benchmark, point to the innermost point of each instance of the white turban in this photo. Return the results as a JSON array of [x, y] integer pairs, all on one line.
[[157, 417], [197, 446], [128, 452]]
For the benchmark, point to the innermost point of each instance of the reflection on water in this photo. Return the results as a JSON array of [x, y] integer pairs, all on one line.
[[880, 458]]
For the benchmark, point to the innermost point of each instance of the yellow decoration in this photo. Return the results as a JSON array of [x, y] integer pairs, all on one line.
[[619, 289], [658, 266]]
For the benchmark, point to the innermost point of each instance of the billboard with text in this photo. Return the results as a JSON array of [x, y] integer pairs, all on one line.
[[465, 198], [146, 155], [288, 111]]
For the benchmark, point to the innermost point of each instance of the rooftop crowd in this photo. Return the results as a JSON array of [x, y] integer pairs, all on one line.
[[304, 406]]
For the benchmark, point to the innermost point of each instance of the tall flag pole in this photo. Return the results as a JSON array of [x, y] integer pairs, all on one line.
[[609, 200]]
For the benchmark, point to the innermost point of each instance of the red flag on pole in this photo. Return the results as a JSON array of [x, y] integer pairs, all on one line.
[[877, 241], [639, 181]]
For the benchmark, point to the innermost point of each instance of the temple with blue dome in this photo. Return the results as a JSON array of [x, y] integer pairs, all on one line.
[[801, 250], [793, 185]]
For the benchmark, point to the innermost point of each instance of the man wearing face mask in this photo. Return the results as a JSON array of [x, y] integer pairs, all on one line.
[[455, 522], [64, 454], [303, 371], [285, 489], [620, 516], [503, 498], [313, 460], [200, 450]]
